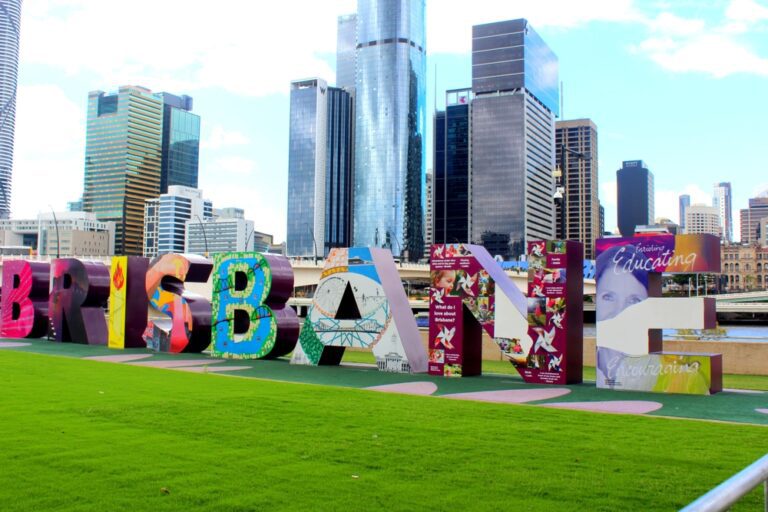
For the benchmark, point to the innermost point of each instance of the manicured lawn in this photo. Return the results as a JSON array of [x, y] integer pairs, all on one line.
[[756, 382], [83, 435]]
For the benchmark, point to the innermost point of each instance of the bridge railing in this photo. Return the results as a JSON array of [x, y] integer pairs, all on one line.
[[732, 490]]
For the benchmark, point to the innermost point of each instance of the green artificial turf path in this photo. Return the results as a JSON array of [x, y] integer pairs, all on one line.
[[742, 407], [86, 435]]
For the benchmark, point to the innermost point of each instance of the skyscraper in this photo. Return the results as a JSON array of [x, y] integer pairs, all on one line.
[[165, 218], [319, 168], [123, 152], [181, 142], [576, 145], [346, 51], [451, 169], [515, 82], [10, 13], [750, 217], [635, 199], [390, 126], [685, 202], [721, 199]]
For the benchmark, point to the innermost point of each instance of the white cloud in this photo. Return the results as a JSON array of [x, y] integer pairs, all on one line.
[[48, 151], [714, 54], [240, 46], [683, 45], [220, 137], [747, 11], [608, 193]]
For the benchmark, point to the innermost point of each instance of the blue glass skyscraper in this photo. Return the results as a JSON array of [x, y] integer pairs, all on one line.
[[319, 168], [390, 126], [10, 13], [515, 82], [181, 142]]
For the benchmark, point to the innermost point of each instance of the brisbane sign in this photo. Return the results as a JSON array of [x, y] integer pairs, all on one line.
[[360, 303]]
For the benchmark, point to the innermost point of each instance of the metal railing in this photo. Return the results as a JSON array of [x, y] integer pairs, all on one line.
[[733, 489]]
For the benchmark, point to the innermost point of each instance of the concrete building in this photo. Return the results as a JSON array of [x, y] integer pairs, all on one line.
[[70, 234], [429, 215], [744, 267], [165, 219], [700, 218], [228, 231], [750, 218], [577, 161]]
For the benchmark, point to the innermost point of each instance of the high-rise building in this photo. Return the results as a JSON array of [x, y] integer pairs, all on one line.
[[451, 173], [10, 14], [390, 118], [165, 219], [181, 142], [700, 218], [338, 174], [319, 168], [576, 146], [228, 231], [515, 83], [307, 153], [635, 199], [429, 238], [601, 209], [750, 218], [685, 202], [346, 51], [123, 153], [721, 199]]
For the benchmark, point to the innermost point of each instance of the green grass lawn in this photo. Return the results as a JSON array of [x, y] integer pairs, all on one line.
[[83, 435], [756, 382]]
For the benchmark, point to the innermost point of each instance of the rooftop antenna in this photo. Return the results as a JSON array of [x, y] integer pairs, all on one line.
[[562, 101]]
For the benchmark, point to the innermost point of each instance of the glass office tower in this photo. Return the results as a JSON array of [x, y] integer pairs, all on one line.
[[451, 170], [390, 126], [515, 83], [319, 168], [685, 202], [634, 195], [181, 142], [10, 13], [346, 51], [123, 149]]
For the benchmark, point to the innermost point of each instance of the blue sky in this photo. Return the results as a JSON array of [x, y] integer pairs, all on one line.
[[679, 84]]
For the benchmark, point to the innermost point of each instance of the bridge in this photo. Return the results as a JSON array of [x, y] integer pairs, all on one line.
[[307, 273]]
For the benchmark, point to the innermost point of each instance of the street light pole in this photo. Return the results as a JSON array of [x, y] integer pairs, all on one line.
[[205, 236], [58, 240], [560, 192]]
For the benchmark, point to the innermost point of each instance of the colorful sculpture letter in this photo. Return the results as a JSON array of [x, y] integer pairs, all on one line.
[[250, 292], [128, 302], [471, 293], [25, 299], [360, 302], [631, 313], [76, 304], [189, 327]]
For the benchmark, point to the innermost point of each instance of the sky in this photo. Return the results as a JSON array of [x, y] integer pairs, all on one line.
[[680, 85]]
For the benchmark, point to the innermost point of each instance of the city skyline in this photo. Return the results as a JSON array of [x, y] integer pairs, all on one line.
[[655, 109]]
